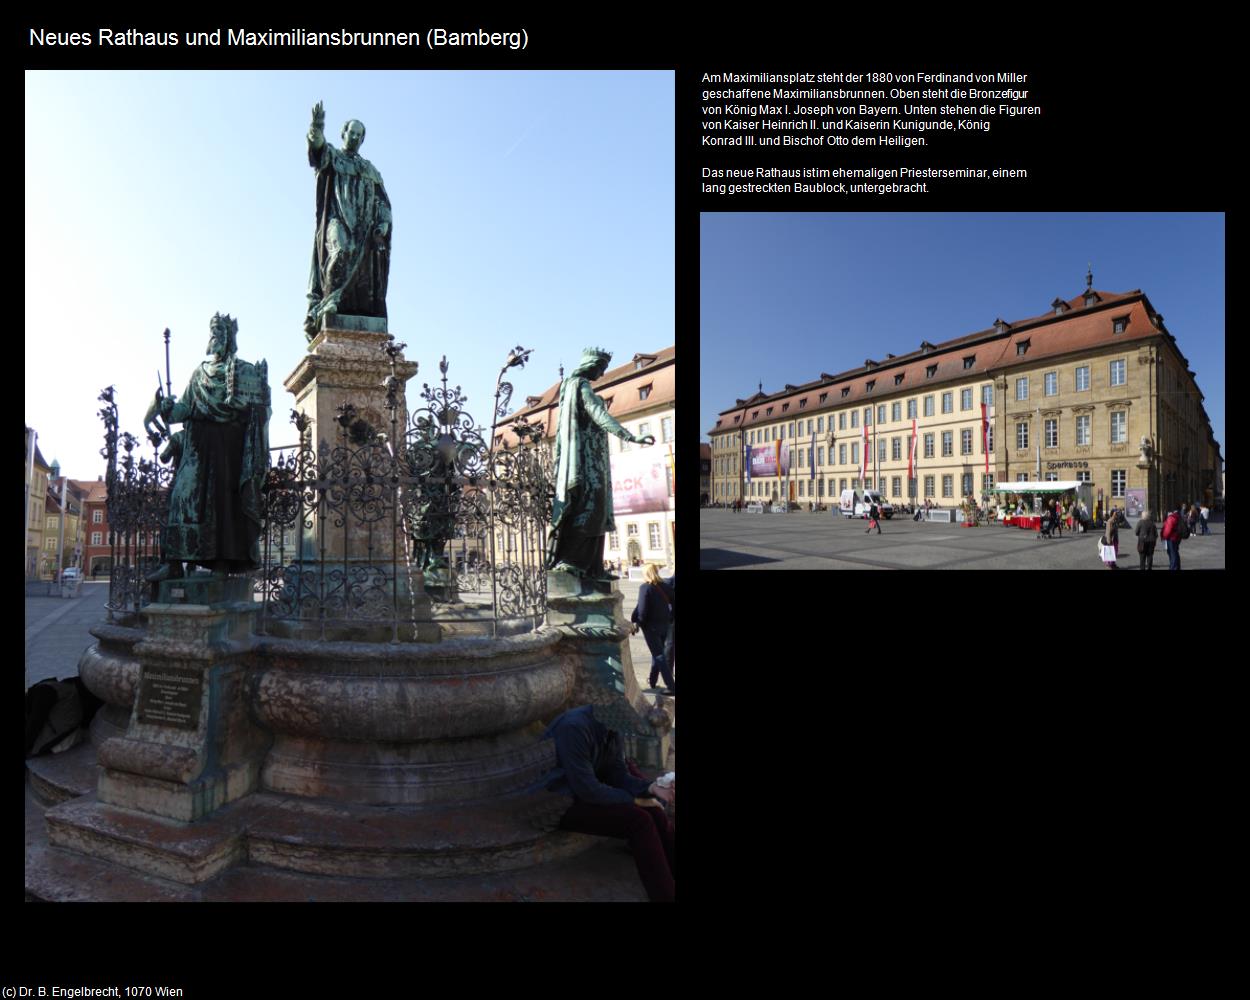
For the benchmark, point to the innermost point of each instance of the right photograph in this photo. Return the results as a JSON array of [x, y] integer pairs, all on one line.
[[962, 391]]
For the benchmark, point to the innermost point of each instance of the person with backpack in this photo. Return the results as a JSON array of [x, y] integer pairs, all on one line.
[[1175, 530]]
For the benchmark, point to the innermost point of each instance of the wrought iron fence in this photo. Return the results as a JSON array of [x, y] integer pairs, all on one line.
[[138, 507], [430, 523], [427, 521]]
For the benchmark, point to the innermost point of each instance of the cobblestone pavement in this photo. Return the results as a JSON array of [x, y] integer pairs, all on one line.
[[806, 540], [56, 631]]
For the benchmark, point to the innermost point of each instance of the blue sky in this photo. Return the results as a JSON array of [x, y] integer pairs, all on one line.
[[786, 297], [530, 208]]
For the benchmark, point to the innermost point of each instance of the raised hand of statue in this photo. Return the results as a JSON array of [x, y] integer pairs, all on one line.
[[319, 115], [647, 441]]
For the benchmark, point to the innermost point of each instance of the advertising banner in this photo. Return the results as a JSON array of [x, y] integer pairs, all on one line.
[[771, 459], [1135, 502], [639, 485]]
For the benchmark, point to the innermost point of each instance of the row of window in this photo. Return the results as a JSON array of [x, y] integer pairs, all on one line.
[[1050, 387], [1119, 430], [816, 488], [654, 539], [1050, 381], [644, 428]]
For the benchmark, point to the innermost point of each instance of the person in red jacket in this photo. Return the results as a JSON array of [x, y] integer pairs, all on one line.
[[1174, 531]]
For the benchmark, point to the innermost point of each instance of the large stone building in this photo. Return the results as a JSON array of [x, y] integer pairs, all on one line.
[[1096, 389], [641, 396], [36, 472]]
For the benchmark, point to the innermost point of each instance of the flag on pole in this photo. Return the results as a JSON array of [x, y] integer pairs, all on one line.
[[985, 445], [911, 455], [863, 469], [746, 460], [812, 456]]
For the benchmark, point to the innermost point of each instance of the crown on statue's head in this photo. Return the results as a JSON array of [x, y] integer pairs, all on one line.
[[596, 354]]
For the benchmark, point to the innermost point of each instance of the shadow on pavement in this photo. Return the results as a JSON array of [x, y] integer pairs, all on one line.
[[725, 559]]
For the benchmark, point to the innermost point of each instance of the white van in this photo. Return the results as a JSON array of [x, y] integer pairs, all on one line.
[[857, 503]]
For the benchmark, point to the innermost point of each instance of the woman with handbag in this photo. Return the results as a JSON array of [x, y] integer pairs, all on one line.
[[1109, 546], [653, 615]]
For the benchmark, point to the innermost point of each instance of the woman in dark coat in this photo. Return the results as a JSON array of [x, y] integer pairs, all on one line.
[[653, 615], [1147, 535]]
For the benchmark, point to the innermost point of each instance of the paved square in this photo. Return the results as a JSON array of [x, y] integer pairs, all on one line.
[[806, 540]]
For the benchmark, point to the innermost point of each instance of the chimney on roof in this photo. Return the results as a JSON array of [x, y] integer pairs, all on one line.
[[761, 388]]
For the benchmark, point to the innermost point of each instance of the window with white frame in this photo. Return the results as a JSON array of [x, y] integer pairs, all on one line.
[[1052, 433], [965, 485], [896, 411], [51, 524], [987, 482], [881, 414], [1082, 428], [965, 399], [855, 418], [1119, 427], [965, 441], [881, 450], [896, 449], [948, 486], [896, 486], [928, 486], [928, 446], [666, 429], [1022, 477], [987, 395], [97, 517], [631, 530], [1083, 477], [948, 443], [820, 456], [928, 406], [842, 454], [911, 409], [1118, 479], [948, 402], [1052, 383], [1082, 378], [1022, 388], [841, 421], [1022, 435], [614, 540], [97, 538], [855, 453], [1052, 477], [1118, 371], [653, 535]]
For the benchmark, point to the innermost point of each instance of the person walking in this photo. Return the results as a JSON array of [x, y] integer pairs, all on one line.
[[653, 615], [1058, 518], [1204, 519], [873, 515], [1146, 533], [1191, 516], [1174, 532], [1110, 546]]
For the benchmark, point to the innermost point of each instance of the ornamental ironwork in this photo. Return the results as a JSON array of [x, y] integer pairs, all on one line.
[[431, 521], [138, 507]]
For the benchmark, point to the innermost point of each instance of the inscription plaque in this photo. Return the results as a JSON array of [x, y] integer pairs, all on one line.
[[170, 697]]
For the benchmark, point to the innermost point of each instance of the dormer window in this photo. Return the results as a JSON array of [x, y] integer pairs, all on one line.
[[784, 407], [930, 371], [846, 391], [1119, 324], [1022, 348], [1001, 325], [1060, 307], [1091, 297], [824, 396], [898, 379], [969, 362], [644, 392], [736, 419], [871, 384], [607, 403], [770, 412], [802, 403], [755, 415]]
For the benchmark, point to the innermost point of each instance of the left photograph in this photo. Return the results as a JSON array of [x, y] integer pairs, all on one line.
[[349, 486]]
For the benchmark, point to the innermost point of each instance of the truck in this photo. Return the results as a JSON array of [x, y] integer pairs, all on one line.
[[856, 503]]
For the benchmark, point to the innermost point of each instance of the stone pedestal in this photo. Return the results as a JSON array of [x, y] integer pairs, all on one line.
[[357, 542], [593, 624], [190, 746]]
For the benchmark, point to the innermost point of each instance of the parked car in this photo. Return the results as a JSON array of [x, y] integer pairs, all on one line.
[[71, 575]]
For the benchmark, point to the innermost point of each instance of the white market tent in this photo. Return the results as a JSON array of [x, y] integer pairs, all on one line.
[[1047, 487]]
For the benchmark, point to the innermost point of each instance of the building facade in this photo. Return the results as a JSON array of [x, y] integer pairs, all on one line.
[[705, 474], [1097, 389], [641, 395], [97, 553], [36, 473]]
